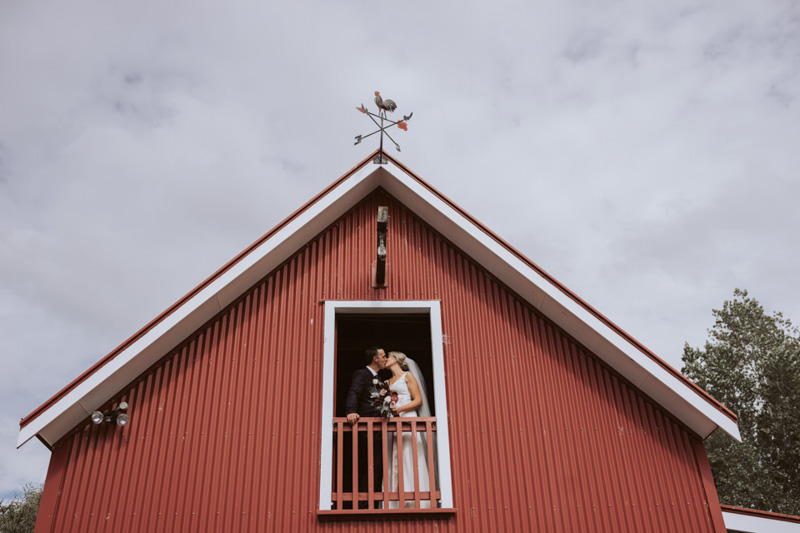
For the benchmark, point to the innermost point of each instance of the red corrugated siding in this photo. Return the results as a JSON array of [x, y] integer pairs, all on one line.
[[224, 430]]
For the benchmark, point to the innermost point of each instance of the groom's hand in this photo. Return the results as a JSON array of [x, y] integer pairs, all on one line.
[[352, 418]]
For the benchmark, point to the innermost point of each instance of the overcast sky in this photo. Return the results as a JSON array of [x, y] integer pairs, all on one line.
[[643, 153]]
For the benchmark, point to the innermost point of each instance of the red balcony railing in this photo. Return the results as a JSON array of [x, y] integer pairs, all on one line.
[[371, 449]]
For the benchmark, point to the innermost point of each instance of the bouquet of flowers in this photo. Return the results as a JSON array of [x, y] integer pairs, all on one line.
[[383, 398]]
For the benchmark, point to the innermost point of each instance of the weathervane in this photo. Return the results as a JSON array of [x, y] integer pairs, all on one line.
[[383, 107]]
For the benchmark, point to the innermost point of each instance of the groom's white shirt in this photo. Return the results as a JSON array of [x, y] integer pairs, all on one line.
[[370, 369]]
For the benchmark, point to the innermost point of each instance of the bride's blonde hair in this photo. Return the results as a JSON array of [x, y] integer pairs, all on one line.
[[400, 357]]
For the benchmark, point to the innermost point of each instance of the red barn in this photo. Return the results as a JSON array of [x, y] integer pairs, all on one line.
[[546, 416]]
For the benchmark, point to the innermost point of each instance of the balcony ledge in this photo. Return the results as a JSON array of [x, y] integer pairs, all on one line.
[[385, 514]]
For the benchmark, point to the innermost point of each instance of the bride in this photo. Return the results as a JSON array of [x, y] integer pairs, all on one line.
[[411, 399]]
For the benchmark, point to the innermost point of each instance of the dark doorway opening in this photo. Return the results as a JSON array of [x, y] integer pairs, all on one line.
[[355, 333], [410, 334]]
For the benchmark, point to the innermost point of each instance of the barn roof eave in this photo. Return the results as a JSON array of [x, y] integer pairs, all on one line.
[[698, 410], [755, 520]]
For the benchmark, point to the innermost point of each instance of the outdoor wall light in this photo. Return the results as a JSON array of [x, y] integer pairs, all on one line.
[[121, 418], [380, 262]]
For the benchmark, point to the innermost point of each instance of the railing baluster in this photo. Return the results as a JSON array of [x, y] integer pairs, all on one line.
[[385, 455], [339, 464], [356, 488], [399, 448], [370, 451], [431, 466], [415, 462]]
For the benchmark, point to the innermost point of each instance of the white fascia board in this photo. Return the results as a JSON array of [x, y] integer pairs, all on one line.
[[108, 380], [757, 524], [677, 397]]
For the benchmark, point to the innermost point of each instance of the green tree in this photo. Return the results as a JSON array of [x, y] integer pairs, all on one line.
[[19, 515], [751, 363]]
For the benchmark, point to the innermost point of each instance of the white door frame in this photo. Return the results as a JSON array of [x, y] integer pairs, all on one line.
[[432, 308]]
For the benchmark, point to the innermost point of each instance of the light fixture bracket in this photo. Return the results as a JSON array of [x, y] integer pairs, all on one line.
[[379, 270], [118, 415]]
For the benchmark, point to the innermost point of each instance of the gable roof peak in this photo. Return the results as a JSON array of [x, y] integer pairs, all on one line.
[[665, 385]]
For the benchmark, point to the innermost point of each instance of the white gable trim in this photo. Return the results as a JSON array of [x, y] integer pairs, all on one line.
[[673, 394], [747, 523], [431, 308]]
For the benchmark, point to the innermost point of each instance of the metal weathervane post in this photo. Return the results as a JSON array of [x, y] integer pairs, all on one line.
[[383, 107]]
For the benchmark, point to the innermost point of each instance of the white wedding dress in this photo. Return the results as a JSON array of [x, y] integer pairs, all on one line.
[[403, 397]]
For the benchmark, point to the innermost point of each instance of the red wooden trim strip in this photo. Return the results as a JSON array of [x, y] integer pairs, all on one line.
[[348, 497], [710, 489], [761, 514], [380, 419]]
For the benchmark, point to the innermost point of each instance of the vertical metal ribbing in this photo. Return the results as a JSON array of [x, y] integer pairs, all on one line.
[[223, 432]]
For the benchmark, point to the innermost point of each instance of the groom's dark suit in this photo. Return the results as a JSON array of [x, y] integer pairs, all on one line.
[[358, 396], [358, 401]]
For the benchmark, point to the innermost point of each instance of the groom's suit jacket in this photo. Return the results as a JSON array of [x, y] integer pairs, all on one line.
[[358, 396]]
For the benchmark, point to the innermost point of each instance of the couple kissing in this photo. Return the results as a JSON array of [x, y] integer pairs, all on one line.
[[407, 382]]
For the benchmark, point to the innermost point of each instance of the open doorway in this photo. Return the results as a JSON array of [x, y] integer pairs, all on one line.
[[355, 333], [407, 333], [413, 327]]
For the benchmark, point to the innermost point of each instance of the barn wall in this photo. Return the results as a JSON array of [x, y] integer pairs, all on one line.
[[224, 430]]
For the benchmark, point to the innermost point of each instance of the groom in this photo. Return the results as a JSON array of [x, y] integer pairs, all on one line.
[[359, 403]]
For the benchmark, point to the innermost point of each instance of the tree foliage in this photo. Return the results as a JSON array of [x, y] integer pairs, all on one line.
[[19, 515], [751, 363]]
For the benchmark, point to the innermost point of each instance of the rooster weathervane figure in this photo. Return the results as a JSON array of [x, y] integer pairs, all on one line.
[[383, 107]]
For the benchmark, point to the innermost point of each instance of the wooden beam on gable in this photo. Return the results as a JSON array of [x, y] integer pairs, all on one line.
[[379, 269]]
